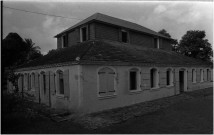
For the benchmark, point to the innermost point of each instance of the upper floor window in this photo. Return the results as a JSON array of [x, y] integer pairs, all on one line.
[[134, 79], [169, 77], [106, 81], [156, 43], [202, 75], [64, 41], [83, 34], [193, 75], [124, 36]]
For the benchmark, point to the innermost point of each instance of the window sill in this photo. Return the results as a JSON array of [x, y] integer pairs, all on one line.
[[168, 86], [193, 82], [135, 91], [60, 96], [107, 96], [155, 89]]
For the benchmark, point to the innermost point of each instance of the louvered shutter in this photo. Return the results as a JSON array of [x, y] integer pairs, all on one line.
[[52, 83], [198, 77], [163, 80], [19, 83], [47, 85], [66, 83], [102, 82], [37, 86], [110, 82]]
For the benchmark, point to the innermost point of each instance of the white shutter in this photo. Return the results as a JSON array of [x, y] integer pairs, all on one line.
[[110, 82], [102, 83]]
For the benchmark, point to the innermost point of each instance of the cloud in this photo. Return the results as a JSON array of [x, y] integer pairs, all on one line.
[[159, 9], [175, 17]]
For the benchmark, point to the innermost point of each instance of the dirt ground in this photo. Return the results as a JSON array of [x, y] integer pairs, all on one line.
[[186, 116]]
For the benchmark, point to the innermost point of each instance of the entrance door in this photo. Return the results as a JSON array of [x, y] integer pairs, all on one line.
[[181, 81]]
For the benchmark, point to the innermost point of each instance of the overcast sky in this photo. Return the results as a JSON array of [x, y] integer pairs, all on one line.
[[175, 17]]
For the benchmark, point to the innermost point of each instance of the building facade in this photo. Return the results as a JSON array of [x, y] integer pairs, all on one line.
[[104, 62]]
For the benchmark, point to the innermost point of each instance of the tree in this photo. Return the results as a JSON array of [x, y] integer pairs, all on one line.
[[33, 51], [16, 51], [173, 42], [194, 44]]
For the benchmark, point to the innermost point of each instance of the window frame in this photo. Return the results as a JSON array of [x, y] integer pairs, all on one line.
[[81, 36], [201, 75], [124, 31], [194, 75], [57, 82], [98, 83], [171, 77], [158, 43], [208, 72], [63, 41], [157, 80], [138, 79], [33, 81]]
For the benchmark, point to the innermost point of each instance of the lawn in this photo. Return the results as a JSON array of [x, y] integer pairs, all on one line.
[[194, 115]]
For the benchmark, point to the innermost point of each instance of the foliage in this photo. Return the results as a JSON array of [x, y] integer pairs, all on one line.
[[13, 78], [16, 51], [194, 44], [33, 51], [174, 42]]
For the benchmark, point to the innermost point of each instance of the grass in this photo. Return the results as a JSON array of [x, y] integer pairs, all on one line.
[[187, 116]]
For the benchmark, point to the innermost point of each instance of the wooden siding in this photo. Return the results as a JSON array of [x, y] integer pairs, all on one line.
[[91, 31], [166, 45], [73, 37], [141, 39], [106, 32]]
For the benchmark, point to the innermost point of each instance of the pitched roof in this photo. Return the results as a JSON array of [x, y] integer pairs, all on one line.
[[114, 21], [112, 52]]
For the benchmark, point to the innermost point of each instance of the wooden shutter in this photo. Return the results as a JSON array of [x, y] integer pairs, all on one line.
[[66, 83], [102, 82], [37, 86], [163, 78], [52, 84], [110, 82], [47, 84], [19, 83]]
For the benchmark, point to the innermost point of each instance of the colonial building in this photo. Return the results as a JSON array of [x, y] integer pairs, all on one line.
[[104, 62]]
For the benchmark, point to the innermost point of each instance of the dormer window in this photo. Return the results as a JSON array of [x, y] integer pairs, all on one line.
[[64, 42], [83, 34], [156, 43], [124, 36]]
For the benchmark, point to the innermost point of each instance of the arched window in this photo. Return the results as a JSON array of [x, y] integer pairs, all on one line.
[[32, 80], [193, 75], [154, 78], [202, 75], [43, 78], [29, 82], [134, 79], [106, 81], [169, 77], [208, 74], [60, 82]]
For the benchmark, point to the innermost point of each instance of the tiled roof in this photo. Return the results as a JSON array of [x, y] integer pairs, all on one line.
[[113, 52], [114, 21]]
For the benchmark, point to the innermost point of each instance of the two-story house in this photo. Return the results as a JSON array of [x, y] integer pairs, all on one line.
[[104, 62]]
